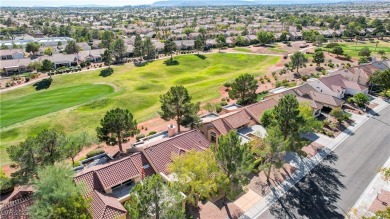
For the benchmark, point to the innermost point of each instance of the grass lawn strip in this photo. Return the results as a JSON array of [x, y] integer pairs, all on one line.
[[44, 102]]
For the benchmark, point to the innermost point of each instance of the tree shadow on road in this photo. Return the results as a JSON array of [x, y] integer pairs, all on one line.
[[315, 196]]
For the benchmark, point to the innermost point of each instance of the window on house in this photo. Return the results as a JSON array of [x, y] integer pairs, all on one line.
[[213, 137]]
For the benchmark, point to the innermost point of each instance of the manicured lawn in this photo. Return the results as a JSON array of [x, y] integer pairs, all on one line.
[[242, 49], [44, 102], [137, 89], [352, 49]]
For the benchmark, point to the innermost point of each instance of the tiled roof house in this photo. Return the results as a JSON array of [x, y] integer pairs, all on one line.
[[159, 153], [306, 93], [108, 184], [17, 204], [336, 86], [236, 119], [103, 206], [359, 74]]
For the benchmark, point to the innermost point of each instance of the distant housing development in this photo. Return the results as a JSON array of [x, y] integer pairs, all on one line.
[[195, 111]]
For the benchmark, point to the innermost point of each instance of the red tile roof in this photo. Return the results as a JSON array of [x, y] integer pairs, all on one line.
[[160, 153], [242, 116], [17, 204], [106, 207], [325, 99], [257, 109], [368, 69], [117, 173], [222, 127], [237, 119], [337, 81], [89, 181], [313, 104], [106, 176], [316, 99]]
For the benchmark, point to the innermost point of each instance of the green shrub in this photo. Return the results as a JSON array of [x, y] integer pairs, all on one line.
[[139, 136], [95, 152], [361, 99], [326, 122], [292, 84], [363, 60], [262, 80], [333, 126], [227, 84], [329, 133], [34, 75], [332, 45], [6, 183], [256, 165], [218, 108], [267, 117], [223, 103], [76, 163], [152, 133]]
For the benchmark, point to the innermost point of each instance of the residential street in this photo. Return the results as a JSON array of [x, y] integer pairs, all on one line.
[[333, 187]]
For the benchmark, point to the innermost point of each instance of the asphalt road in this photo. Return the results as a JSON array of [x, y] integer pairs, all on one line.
[[333, 187]]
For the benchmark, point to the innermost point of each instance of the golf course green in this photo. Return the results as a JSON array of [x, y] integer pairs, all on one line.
[[41, 103], [353, 48], [77, 102]]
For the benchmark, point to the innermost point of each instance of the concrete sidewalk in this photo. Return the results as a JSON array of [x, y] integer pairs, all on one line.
[[305, 165], [377, 192]]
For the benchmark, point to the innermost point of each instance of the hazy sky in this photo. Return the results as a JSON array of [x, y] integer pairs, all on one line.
[[29, 3]]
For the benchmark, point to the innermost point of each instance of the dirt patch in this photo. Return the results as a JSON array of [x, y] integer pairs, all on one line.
[[215, 210], [258, 182], [312, 149]]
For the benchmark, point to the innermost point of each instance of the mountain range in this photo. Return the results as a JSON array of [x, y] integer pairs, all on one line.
[[168, 3]]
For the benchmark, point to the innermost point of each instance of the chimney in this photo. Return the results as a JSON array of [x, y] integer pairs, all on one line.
[[171, 130]]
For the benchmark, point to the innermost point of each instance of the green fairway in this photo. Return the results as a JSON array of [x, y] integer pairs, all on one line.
[[137, 89], [41, 103], [353, 48]]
